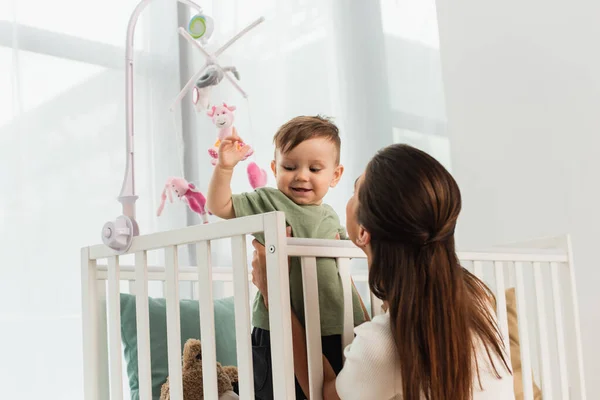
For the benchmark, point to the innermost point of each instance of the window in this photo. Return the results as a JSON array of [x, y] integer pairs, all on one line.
[[62, 128], [415, 77], [437, 146]]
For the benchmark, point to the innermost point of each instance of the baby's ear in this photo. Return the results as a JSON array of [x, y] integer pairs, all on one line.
[[274, 168], [337, 175]]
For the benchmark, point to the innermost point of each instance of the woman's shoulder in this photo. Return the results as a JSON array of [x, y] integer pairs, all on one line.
[[371, 369], [379, 325], [374, 342]]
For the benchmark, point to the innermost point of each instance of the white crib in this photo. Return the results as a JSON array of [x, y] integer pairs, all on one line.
[[547, 310]]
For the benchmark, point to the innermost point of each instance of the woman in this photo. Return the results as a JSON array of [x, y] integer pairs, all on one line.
[[438, 339]]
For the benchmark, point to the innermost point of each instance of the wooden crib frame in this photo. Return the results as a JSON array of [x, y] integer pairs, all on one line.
[[550, 260]]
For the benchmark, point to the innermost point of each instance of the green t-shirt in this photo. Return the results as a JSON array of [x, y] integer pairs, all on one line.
[[307, 221]]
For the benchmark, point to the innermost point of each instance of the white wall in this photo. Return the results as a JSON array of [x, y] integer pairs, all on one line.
[[522, 85]]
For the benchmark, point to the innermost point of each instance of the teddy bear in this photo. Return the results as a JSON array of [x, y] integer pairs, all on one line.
[[193, 388]]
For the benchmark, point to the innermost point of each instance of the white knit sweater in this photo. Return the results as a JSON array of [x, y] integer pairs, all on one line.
[[372, 368]]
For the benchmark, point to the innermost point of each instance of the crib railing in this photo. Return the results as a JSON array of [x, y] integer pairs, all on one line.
[[99, 377], [546, 305], [545, 290]]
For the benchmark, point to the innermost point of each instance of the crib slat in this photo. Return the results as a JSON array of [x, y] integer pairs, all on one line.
[[478, 269], [523, 333], [207, 320], [543, 331], [501, 311], [579, 389], [312, 322], [114, 315], [242, 317], [560, 333], [173, 324], [95, 343], [344, 270], [143, 325], [280, 315]]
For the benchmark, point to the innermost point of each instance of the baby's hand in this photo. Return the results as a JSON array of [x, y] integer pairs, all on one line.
[[230, 153]]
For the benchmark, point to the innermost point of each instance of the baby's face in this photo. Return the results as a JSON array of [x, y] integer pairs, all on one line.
[[306, 173]]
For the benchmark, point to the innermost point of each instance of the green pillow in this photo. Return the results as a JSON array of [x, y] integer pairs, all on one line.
[[190, 328]]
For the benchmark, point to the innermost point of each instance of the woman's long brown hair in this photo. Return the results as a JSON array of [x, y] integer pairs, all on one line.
[[440, 314]]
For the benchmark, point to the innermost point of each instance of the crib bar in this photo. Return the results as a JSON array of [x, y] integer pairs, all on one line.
[[312, 323], [344, 270], [173, 324], [523, 333], [543, 331], [142, 324], [207, 319], [188, 235], [560, 333], [279, 305], [581, 392], [156, 273], [478, 269], [517, 257], [501, 312], [322, 251], [242, 317], [95, 371], [114, 315]]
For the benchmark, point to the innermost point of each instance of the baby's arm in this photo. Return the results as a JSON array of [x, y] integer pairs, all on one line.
[[342, 233], [218, 200]]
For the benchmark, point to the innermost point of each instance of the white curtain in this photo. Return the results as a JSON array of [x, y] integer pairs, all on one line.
[[372, 66], [62, 160]]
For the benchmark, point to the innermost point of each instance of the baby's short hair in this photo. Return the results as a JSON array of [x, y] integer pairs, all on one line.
[[302, 128]]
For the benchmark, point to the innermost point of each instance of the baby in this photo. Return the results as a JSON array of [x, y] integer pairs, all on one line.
[[306, 165]]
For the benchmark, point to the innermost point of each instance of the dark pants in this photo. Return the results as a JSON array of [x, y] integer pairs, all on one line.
[[261, 359]]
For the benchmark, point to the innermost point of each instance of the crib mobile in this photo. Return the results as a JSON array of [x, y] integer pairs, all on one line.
[[119, 233]]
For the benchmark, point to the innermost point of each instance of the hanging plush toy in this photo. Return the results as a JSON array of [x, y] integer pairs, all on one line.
[[256, 175], [200, 28], [222, 117], [187, 193]]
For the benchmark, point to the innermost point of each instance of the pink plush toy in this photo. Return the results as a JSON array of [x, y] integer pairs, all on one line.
[[187, 193], [256, 175], [222, 117]]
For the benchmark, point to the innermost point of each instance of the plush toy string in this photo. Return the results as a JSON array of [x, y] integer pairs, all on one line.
[[180, 147], [193, 198]]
